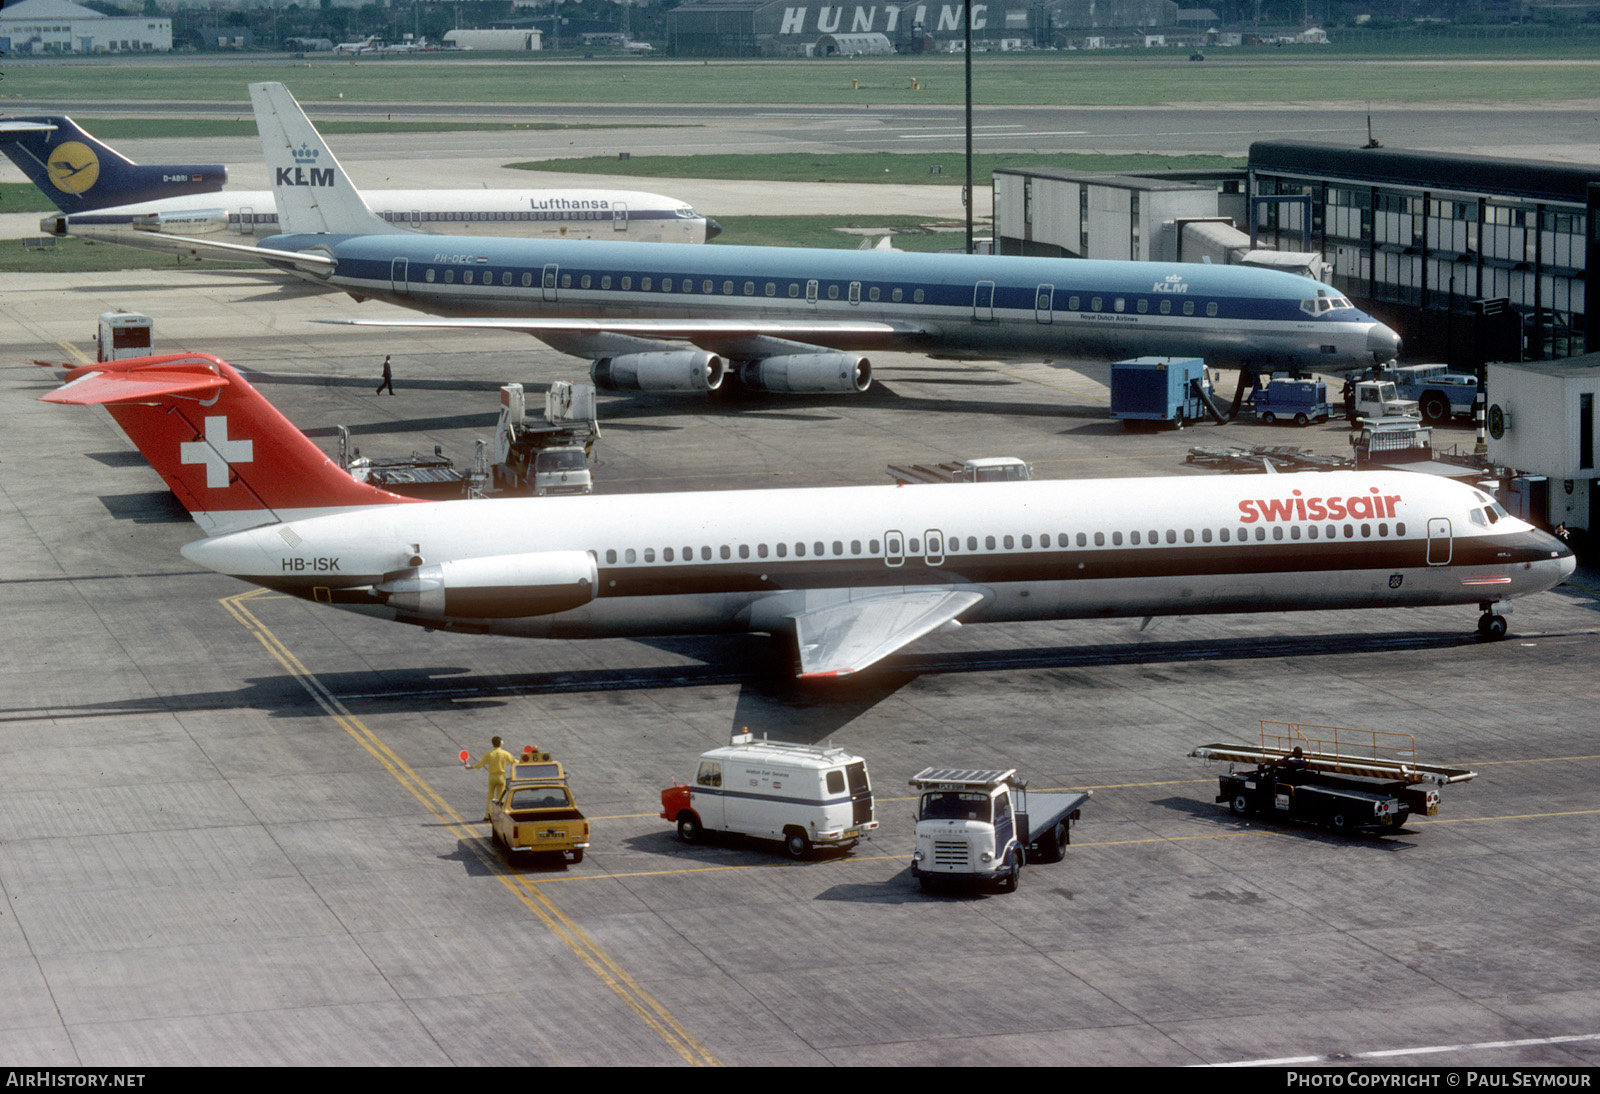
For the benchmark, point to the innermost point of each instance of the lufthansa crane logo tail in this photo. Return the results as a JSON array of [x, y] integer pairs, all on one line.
[[74, 167]]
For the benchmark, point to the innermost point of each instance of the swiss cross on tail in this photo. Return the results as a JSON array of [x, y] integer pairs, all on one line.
[[191, 414], [217, 452]]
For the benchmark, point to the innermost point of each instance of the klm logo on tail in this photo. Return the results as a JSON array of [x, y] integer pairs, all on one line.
[[305, 172]]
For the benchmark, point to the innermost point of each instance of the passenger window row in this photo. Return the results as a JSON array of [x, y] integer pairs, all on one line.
[[913, 546], [1119, 304], [710, 287]]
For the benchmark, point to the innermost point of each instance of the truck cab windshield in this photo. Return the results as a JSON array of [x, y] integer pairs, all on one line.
[[955, 805], [559, 459]]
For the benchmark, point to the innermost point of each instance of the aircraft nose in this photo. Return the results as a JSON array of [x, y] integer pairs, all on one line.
[[1383, 343], [713, 229]]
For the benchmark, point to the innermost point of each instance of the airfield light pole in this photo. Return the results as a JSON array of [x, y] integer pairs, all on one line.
[[968, 53]]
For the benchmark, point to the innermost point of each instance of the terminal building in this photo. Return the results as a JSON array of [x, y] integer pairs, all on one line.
[[1422, 239], [1481, 262], [1472, 258]]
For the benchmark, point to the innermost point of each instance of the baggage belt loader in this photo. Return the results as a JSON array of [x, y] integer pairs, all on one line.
[[1349, 780], [981, 826]]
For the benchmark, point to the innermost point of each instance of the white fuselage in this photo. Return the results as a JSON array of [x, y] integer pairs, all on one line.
[[749, 560], [622, 215]]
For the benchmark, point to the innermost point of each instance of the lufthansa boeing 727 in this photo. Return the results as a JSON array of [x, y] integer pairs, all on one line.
[[663, 317], [179, 208], [852, 573]]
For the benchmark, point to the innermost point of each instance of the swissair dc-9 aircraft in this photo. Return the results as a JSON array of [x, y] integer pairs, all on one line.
[[177, 208], [853, 573], [672, 318]]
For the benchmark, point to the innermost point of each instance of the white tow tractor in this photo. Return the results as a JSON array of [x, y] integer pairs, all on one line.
[[976, 826]]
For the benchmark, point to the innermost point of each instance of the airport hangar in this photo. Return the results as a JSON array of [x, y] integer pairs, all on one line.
[[1474, 259]]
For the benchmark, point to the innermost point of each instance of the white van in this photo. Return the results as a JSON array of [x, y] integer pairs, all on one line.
[[805, 795]]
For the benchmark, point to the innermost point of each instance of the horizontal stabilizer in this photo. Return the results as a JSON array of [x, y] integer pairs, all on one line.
[[304, 261], [227, 455], [94, 387], [851, 635]]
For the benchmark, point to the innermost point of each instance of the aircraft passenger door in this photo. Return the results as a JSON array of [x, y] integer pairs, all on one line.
[[619, 217], [933, 542], [1439, 542], [550, 273], [1044, 303], [398, 270], [894, 549], [247, 221], [983, 301]]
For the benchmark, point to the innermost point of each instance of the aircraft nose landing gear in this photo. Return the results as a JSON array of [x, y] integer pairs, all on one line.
[[1492, 623]]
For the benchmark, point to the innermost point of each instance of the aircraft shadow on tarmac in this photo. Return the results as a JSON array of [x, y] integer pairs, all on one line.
[[771, 701], [880, 395], [146, 507]]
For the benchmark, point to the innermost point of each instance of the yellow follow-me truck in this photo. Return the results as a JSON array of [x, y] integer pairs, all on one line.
[[537, 815]]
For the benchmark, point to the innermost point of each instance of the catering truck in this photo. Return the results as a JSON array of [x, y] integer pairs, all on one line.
[[806, 796], [982, 826]]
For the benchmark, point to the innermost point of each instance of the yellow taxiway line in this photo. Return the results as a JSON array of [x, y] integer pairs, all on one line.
[[650, 1010]]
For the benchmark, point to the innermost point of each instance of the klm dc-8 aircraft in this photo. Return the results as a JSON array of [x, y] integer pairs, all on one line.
[[672, 317]]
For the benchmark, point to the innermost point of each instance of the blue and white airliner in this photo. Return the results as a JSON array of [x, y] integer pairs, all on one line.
[[664, 317]]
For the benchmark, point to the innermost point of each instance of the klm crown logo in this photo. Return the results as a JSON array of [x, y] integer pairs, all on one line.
[[304, 172]]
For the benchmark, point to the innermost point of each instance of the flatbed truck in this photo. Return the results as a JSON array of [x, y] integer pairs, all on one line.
[[1349, 780], [980, 827]]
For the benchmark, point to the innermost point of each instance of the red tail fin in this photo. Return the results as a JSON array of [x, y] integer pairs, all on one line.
[[229, 456]]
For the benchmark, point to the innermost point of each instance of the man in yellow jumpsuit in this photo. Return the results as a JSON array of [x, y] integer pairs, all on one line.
[[499, 762]]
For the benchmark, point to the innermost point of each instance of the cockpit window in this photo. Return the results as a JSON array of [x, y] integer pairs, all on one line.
[[1323, 303], [686, 212]]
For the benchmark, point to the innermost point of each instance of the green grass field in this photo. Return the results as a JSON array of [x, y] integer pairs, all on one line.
[[114, 129], [896, 169], [1431, 70], [81, 256], [23, 197]]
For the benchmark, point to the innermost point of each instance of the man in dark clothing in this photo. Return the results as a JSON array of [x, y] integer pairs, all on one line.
[[388, 379]]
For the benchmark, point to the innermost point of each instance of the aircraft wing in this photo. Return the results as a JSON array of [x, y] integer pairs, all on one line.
[[846, 637], [91, 387], [304, 261]]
